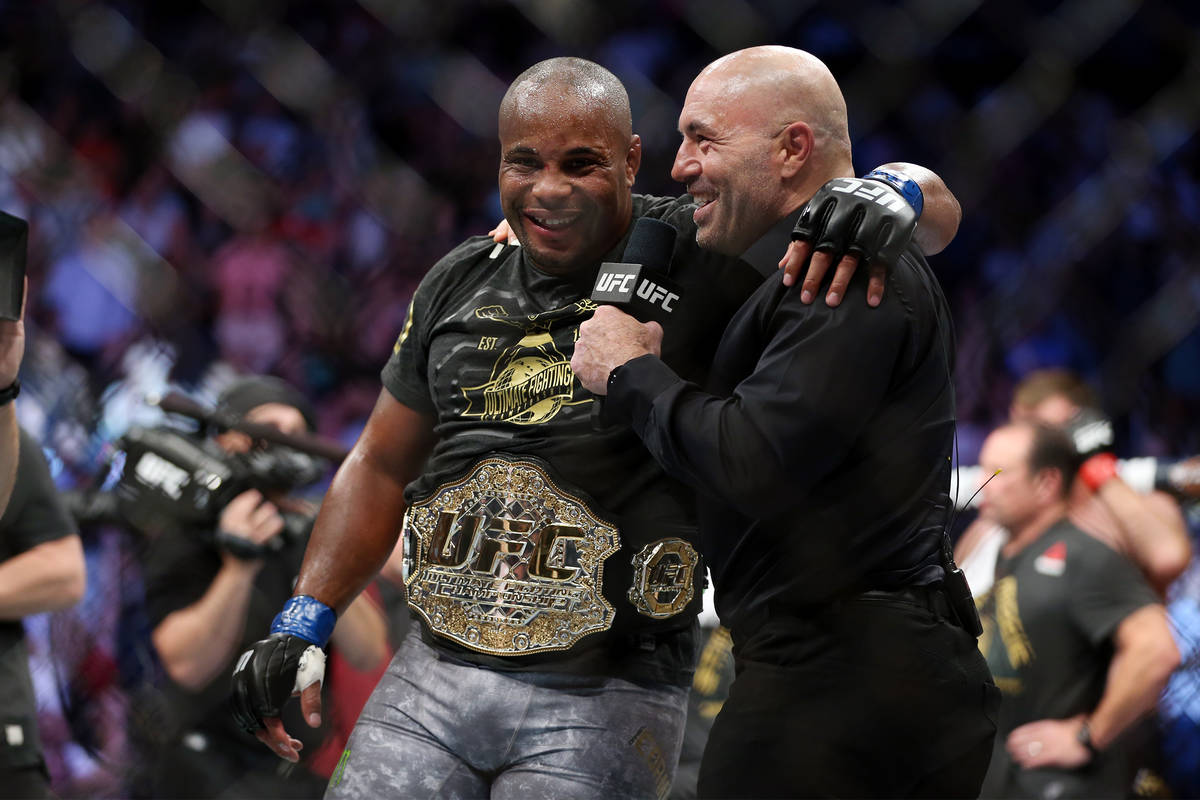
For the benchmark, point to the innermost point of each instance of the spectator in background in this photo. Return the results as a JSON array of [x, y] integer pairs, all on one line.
[[209, 599], [93, 290], [156, 212], [1076, 638], [1147, 528], [41, 569], [251, 272]]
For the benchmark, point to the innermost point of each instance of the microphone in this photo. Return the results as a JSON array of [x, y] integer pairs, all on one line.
[[639, 285]]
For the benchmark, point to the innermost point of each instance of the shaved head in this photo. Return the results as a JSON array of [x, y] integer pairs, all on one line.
[[777, 85], [568, 161], [572, 87], [763, 129]]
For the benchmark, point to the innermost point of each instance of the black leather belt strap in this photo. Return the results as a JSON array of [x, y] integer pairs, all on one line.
[[931, 598]]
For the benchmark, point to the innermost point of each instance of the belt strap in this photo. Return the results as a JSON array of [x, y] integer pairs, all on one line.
[[931, 598]]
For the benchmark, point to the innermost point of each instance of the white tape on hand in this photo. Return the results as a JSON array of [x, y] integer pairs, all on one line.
[[311, 668]]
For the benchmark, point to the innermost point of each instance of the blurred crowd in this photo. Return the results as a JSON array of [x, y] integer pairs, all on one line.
[[218, 188]]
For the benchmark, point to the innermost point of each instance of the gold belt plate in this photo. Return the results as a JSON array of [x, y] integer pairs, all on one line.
[[664, 575], [505, 562]]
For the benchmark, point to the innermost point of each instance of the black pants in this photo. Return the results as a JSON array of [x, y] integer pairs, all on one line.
[[868, 698]]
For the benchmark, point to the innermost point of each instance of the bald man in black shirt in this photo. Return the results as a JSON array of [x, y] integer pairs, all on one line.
[[820, 449]]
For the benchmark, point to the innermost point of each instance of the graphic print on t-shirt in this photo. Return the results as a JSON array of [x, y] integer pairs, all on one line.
[[1004, 622], [531, 380]]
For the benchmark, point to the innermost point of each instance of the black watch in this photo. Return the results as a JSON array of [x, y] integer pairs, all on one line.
[[10, 392], [1084, 737]]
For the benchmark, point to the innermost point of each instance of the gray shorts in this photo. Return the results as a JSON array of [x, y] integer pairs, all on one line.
[[439, 728]]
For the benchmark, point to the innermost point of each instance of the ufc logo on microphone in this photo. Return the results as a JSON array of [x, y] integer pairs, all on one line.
[[870, 190], [652, 292], [616, 283]]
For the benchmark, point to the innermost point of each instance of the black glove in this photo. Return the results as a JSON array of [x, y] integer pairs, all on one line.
[[1091, 432], [270, 672], [867, 218]]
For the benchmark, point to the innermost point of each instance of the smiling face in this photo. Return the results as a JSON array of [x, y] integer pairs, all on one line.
[[730, 162], [566, 177]]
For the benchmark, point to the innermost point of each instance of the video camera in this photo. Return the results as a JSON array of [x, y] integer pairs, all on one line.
[[164, 479]]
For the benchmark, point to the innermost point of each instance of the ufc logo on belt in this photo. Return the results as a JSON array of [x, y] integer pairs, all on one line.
[[458, 541]]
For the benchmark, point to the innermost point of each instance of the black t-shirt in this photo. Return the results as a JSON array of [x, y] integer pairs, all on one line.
[[486, 354], [1048, 623], [35, 515], [179, 566], [820, 447]]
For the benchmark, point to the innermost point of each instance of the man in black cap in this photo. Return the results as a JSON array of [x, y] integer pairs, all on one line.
[[210, 593]]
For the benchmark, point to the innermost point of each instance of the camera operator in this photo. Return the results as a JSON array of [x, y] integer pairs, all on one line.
[[210, 594]]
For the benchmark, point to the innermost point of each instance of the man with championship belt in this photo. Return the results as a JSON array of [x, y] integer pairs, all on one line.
[[551, 566]]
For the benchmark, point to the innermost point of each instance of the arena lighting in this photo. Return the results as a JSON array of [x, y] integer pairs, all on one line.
[[1094, 209], [34, 154], [299, 77], [199, 156]]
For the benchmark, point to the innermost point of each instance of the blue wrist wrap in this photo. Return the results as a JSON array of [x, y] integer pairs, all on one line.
[[305, 617], [909, 189]]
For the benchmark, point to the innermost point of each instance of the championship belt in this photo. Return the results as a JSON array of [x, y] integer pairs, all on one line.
[[663, 578], [505, 562]]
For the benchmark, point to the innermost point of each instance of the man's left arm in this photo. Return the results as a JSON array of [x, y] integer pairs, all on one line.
[[1144, 657], [47, 577], [1153, 527], [787, 421], [48, 572], [860, 221], [1150, 527]]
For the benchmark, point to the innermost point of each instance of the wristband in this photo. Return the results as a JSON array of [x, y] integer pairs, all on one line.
[[909, 189], [307, 618], [1098, 470], [10, 392]]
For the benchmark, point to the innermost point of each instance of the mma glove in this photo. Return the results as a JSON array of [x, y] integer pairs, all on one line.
[[1092, 434], [872, 217], [284, 664]]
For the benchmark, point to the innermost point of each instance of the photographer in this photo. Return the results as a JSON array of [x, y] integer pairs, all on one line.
[[210, 594]]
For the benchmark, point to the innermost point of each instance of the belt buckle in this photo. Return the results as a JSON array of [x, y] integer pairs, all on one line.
[[505, 562]]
